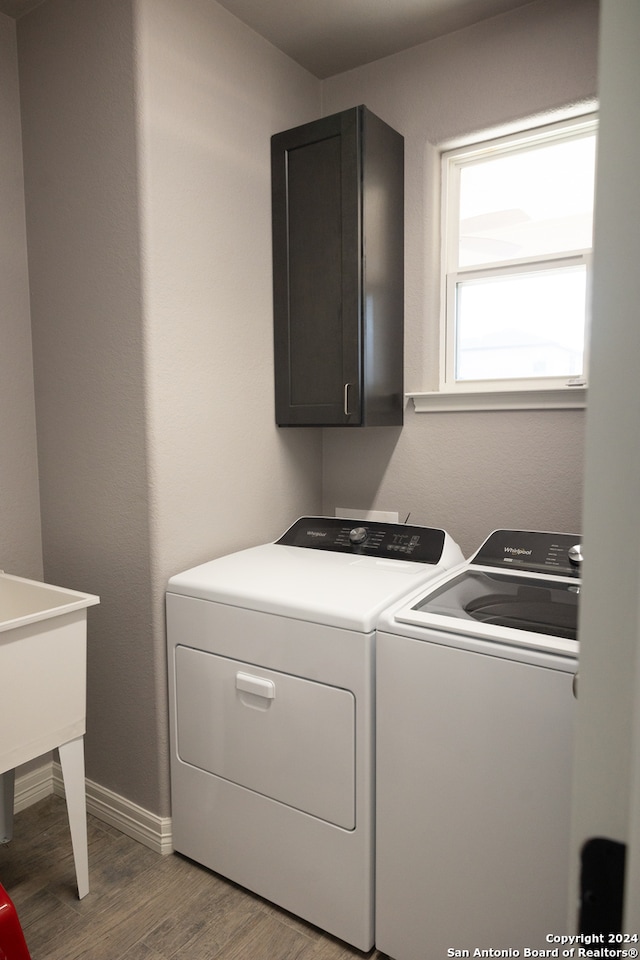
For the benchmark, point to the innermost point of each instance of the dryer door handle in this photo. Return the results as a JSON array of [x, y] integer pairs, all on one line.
[[258, 686]]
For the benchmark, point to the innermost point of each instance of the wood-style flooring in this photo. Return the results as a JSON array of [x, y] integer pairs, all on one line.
[[141, 906]]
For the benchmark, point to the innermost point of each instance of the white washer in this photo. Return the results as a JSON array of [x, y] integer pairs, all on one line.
[[474, 749], [271, 694]]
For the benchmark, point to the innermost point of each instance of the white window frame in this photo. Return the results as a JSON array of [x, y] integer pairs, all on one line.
[[513, 392]]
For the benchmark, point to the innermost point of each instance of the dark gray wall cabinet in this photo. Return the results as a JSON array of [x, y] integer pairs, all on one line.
[[338, 271]]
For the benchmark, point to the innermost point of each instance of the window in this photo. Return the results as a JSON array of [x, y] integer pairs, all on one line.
[[517, 241]]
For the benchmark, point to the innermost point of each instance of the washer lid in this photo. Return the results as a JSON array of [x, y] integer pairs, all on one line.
[[322, 586], [527, 610], [504, 600]]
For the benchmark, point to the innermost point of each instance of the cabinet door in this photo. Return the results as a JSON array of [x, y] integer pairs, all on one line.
[[316, 178]]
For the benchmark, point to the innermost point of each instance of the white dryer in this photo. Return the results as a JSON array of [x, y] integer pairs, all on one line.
[[271, 692], [474, 749]]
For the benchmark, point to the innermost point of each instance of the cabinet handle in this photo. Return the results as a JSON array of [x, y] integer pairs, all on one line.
[[346, 399]]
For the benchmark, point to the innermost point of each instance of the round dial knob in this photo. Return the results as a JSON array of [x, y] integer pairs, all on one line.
[[358, 535], [575, 554]]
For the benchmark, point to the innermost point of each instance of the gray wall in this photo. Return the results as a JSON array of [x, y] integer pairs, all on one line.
[[469, 472], [210, 94], [21, 548], [146, 145], [146, 132], [76, 84]]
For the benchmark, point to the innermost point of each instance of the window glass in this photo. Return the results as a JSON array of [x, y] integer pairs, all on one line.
[[517, 239], [521, 325], [527, 203]]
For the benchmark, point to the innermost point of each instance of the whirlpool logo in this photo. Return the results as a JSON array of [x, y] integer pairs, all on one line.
[[518, 551]]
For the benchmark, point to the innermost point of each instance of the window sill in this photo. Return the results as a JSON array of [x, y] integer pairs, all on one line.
[[567, 398]]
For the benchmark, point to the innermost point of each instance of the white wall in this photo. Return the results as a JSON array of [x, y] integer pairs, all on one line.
[[21, 549], [467, 472]]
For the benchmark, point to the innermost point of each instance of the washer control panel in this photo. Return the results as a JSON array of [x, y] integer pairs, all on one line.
[[555, 553], [395, 541]]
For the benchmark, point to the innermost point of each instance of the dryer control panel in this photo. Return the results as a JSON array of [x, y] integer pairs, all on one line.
[[555, 553], [393, 541]]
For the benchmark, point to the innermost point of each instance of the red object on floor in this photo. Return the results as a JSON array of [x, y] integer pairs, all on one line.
[[12, 943]]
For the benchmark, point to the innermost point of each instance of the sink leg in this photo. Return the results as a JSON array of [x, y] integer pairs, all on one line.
[[72, 763]]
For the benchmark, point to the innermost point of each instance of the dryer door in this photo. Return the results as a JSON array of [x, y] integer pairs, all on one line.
[[285, 737]]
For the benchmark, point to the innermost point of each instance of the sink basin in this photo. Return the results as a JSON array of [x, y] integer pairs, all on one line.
[[27, 601], [43, 667]]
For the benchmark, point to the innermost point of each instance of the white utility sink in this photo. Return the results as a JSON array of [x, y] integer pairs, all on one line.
[[43, 631]]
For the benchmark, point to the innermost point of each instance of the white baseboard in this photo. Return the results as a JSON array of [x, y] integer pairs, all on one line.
[[32, 786], [127, 817]]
